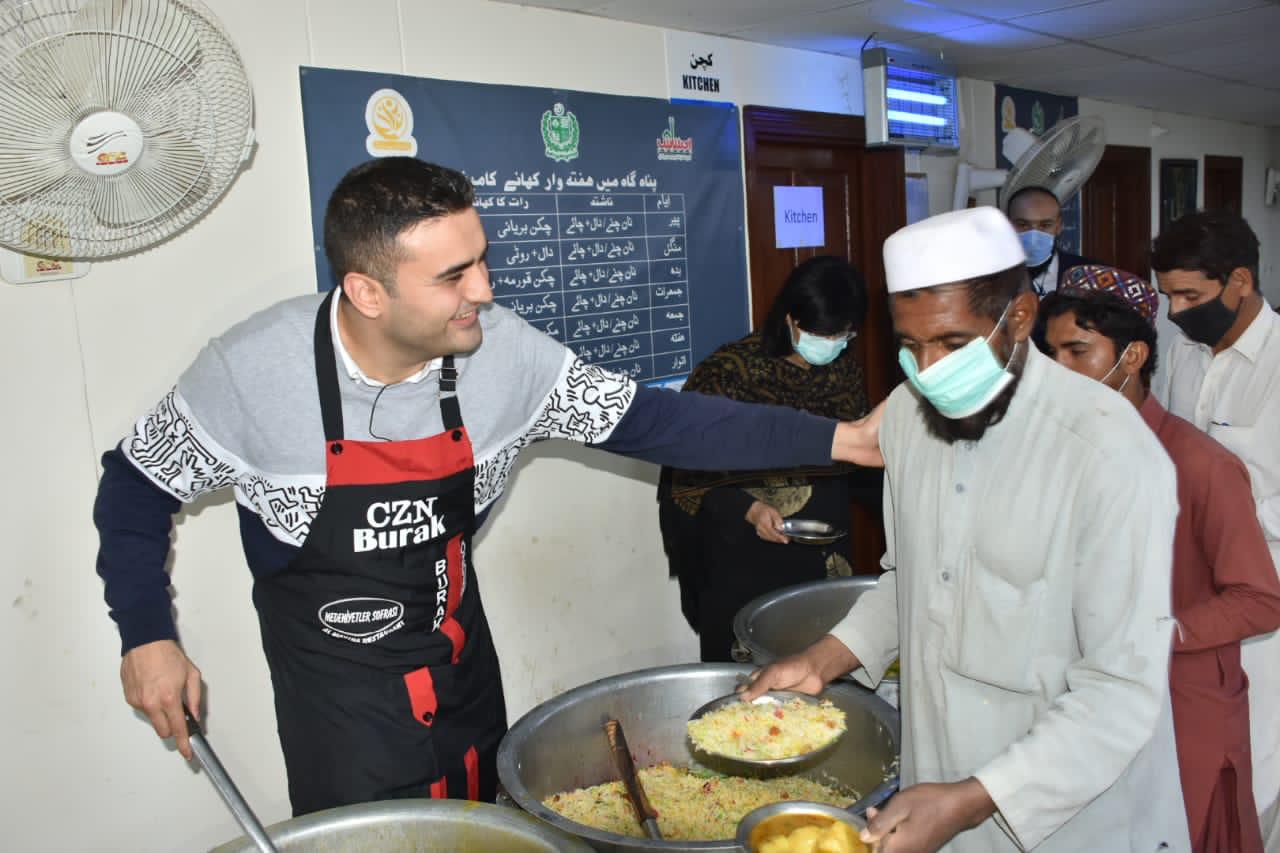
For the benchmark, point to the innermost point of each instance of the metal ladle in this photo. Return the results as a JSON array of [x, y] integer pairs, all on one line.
[[645, 812], [230, 793]]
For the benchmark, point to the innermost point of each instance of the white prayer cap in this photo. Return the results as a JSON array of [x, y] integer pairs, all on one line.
[[949, 247]]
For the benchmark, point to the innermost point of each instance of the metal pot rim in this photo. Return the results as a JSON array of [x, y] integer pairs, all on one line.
[[509, 775], [742, 619], [374, 814]]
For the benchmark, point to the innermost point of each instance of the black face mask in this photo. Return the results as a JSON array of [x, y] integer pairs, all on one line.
[[1207, 323]]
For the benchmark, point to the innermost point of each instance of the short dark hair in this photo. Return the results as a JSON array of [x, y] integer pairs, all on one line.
[[824, 295], [376, 202], [1107, 315], [989, 295], [1024, 191], [1213, 242]]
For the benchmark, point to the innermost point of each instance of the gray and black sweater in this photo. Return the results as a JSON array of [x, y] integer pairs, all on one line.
[[246, 416]]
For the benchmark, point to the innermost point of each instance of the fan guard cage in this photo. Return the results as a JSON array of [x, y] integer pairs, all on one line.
[[1062, 161], [73, 71]]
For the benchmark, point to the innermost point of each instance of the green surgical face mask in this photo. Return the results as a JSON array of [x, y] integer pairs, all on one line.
[[964, 382]]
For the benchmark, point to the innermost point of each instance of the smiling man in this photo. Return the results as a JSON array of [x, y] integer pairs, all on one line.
[[366, 434], [1029, 518]]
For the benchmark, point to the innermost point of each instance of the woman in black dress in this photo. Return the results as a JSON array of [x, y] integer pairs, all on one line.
[[721, 531]]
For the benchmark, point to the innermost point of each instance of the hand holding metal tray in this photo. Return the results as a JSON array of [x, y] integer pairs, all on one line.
[[810, 532]]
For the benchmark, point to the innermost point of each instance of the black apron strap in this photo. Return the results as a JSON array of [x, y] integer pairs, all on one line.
[[331, 397], [327, 373], [450, 412]]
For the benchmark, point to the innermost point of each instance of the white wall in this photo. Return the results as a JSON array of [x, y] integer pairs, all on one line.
[[573, 572]]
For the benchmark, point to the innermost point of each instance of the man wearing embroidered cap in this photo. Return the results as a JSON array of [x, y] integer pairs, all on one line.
[[1101, 323], [1029, 517]]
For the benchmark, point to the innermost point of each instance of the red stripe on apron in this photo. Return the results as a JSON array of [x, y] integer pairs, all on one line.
[[458, 637], [440, 789], [422, 695], [472, 762], [453, 553], [450, 627]]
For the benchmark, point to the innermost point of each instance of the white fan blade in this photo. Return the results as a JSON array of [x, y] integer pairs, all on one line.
[[84, 50]]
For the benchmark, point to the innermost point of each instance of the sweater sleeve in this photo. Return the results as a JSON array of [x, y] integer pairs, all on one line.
[[134, 517], [169, 459], [700, 432]]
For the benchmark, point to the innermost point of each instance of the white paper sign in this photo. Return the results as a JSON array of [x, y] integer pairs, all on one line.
[[797, 217], [698, 67]]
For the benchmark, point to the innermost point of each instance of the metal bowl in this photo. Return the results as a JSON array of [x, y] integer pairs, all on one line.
[[776, 697], [559, 746], [791, 619], [809, 532], [781, 818], [414, 826]]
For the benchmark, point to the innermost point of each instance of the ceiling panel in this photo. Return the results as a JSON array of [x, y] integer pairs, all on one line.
[[1164, 43], [915, 17], [837, 31], [1211, 59], [999, 10], [567, 5], [1045, 61], [1117, 16], [966, 54], [997, 37], [1073, 81], [709, 16]]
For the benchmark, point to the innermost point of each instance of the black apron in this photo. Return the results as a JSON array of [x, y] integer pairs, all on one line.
[[385, 676]]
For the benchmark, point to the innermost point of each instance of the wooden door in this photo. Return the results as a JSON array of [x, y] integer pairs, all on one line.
[[1116, 216], [1223, 183], [864, 201]]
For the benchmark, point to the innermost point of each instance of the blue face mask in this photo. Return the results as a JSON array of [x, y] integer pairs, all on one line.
[[964, 382], [1037, 246], [819, 351]]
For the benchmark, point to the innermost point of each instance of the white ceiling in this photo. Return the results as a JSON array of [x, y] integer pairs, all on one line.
[[1215, 58]]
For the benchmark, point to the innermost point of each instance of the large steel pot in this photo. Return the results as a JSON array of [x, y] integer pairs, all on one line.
[[415, 826], [791, 619], [560, 745]]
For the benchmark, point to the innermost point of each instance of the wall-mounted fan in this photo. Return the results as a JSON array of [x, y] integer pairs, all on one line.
[[121, 122], [1060, 161]]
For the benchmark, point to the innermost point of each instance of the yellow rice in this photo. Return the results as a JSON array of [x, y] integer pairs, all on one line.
[[690, 806], [767, 730]]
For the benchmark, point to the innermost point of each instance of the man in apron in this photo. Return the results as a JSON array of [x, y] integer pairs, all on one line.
[[366, 434]]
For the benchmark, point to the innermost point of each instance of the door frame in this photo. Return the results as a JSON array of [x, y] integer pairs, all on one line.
[[882, 208], [1139, 159]]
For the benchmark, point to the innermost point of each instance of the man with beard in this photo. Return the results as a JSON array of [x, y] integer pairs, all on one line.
[[1029, 519]]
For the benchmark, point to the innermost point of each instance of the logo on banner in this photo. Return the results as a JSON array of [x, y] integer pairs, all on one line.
[[390, 122], [674, 147], [560, 134], [361, 620]]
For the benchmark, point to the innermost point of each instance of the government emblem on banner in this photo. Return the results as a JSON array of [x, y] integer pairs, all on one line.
[[560, 134], [390, 122]]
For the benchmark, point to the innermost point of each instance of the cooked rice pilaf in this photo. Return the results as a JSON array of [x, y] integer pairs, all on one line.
[[691, 806], [758, 730]]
